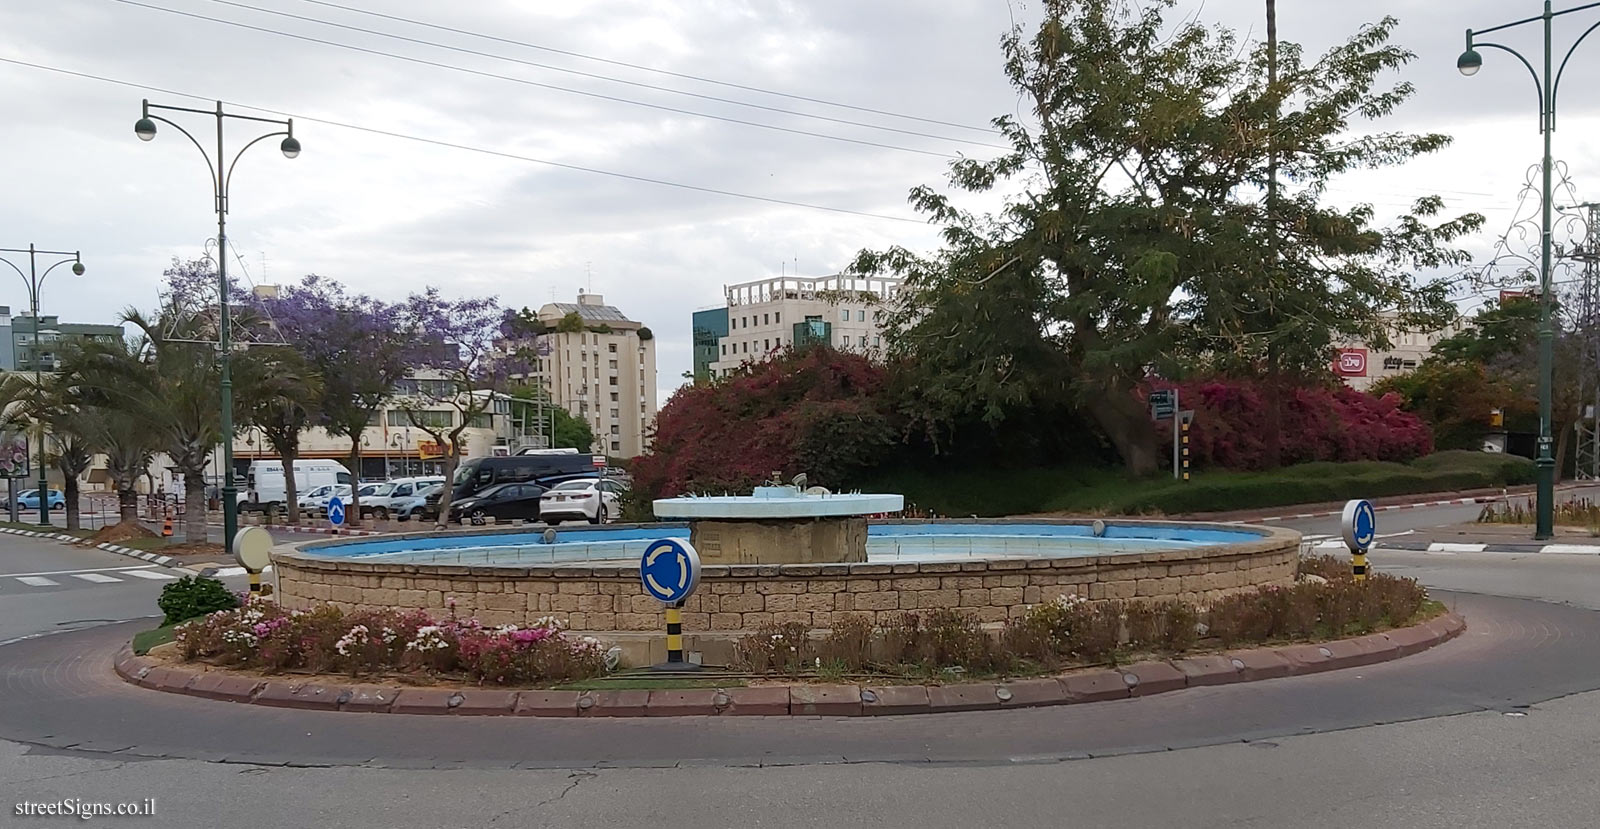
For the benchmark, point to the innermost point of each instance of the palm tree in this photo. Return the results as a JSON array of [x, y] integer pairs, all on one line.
[[105, 419], [279, 393]]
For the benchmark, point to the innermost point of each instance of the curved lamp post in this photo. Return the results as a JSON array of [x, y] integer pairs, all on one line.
[[35, 280], [221, 178], [1548, 85]]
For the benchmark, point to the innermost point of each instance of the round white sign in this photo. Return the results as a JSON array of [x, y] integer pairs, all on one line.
[[252, 548]]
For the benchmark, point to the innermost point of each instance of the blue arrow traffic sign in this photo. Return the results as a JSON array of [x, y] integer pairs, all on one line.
[[335, 511], [1360, 524], [669, 570]]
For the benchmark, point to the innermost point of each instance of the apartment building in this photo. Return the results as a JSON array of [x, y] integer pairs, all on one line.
[[53, 334], [768, 315], [600, 366]]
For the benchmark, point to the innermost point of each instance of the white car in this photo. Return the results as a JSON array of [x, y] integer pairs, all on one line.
[[589, 499], [316, 501]]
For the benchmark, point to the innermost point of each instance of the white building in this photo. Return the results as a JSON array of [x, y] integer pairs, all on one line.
[[768, 315], [1360, 366], [600, 366]]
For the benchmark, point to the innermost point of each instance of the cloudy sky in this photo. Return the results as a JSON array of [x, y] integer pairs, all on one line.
[[390, 213]]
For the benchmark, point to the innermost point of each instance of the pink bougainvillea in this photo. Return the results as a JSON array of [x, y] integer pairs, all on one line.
[[1318, 424]]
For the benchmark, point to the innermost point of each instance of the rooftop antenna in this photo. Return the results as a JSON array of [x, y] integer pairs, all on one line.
[[588, 273]]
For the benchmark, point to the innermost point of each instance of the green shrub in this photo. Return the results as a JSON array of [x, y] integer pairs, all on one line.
[[193, 596]]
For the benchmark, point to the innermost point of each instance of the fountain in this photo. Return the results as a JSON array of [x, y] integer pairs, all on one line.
[[780, 524]]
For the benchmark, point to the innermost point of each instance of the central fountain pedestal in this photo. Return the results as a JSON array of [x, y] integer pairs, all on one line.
[[779, 525]]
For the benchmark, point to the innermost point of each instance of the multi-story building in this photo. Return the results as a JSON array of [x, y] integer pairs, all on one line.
[[1360, 366], [710, 326], [768, 315], [601, 367], [18, 332]]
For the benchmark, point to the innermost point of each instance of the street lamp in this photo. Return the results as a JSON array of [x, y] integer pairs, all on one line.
[[34, 280], [1548, 84], [221, 178]]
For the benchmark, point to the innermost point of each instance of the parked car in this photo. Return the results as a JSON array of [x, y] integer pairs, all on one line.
[[590, 499], [508, 501], [417, 505], [29, 499], [316, 501], [478, 474], [264, 485], [382, 504]]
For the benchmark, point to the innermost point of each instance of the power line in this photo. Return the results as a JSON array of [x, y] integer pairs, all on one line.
[[669, 73], [608, 78], [526, 82], [469, 148]]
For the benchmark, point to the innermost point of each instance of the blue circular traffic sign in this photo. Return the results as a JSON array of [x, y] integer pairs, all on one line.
[[335, 511], [669, 570], [1360, 524]]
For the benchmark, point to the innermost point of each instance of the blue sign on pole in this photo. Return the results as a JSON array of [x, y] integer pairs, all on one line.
[[1360, 523], [335, 511], [669, 570]]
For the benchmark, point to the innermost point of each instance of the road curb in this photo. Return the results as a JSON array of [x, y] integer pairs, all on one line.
[[80, 542], [1452, 547], [1089, 685]]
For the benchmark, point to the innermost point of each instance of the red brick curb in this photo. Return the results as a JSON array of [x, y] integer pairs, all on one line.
[[1094, 685]]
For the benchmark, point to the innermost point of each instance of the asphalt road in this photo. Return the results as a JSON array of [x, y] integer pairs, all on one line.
[[1495, 729]]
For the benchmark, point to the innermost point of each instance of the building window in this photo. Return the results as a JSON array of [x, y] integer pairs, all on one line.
[[613, 365], [764, 319], [613, 397], [613, 381], [430, 418], [616, 430], [616, 447], [724, 349], [613, 348], [861, 316], [844, 316], [877, 341], [847, 341], [777, 318], [766, 345], [482, 421]]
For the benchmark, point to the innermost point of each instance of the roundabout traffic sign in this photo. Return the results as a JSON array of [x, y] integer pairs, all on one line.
[[1360, 523], [669, 570], [335, 510]]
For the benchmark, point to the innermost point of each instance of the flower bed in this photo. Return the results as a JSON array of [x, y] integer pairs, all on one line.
[[263, 636]]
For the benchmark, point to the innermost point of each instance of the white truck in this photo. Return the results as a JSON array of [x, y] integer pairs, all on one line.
[[264, 484]]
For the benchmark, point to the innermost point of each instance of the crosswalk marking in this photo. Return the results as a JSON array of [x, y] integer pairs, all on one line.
[[97, 578], [149, 574], [38, 581]]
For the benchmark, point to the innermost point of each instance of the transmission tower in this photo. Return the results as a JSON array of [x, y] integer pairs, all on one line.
[[1588, 326]]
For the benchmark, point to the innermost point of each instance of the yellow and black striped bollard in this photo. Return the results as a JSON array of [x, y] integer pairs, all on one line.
[[675, 634], [1358, 565], [1185, 428]]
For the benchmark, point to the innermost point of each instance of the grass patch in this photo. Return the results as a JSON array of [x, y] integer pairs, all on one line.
[[628, 682], [145, 545], [992, 492], [145, 640]]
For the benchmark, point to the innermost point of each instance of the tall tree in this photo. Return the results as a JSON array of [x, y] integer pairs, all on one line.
[[356, 345], [281, 395], [462, 370], [105, 418], [1138, 238], [72, 439]]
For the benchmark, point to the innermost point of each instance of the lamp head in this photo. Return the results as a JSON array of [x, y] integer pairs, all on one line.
[[290, 147], [77, 269], [1470, 62], [145, 129]]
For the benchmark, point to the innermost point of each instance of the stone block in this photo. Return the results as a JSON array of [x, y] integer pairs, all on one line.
[[691, 621], [770, 588], [1121, 589], [877, 601], [298, 695], [639, 621], [814, 602], [915, 584], [631, 703], [991, 614], [752, 621], [1378, 646], [725, 621], [799, 617], [825, 586], [1094, 686], [1024, 693], [743, 602], [503, 601], [1005, 596], [825, 700], [1259, 663], [595, 604], [970, 696], [224, 686], [1147, 678], [682, 703], [895, 699], [1308, 659], [780, 602], [1207, 670], [765, 701], [368, 698], [1413, 639], [577, 588]]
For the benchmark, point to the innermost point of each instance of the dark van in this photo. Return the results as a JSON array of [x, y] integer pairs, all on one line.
[[479, 474]]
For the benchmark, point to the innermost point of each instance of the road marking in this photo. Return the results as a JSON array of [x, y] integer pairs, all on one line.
[[86, 570], [1448, 547], [150, 574], [38, 581], [1570, 548], [97, 578]]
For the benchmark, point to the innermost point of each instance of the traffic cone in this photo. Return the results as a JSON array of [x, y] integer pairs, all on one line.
[[166, 526]]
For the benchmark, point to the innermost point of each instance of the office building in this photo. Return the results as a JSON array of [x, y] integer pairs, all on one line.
[[769, 315]]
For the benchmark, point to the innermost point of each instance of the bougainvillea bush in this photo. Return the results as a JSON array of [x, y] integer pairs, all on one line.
[[813, 410], [1319, 424], [326, 639]]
